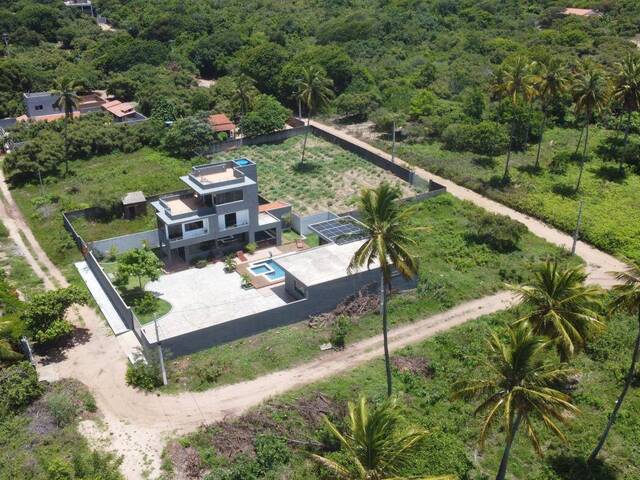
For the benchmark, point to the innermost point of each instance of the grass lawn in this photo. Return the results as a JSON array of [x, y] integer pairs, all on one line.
[[16, 267], [453, 268], [451, 447], [331, 180], [132, 293], [611, 219]]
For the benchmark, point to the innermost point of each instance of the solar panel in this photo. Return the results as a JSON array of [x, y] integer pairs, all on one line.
[[339, 230]]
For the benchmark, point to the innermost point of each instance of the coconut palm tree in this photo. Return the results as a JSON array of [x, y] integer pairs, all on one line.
[[590, 94], [387, 244], [244, 92], [551, 81], [377, 443], [521, 390], [626, 90], [514, 81], [626, 297], [68, 101], [561, 306], [314, 91]]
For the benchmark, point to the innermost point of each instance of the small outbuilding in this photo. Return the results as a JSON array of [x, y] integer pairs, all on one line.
[[134, 204], [220, 123]]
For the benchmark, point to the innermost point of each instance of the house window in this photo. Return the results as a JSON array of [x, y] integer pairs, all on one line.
[[229, 197], [230, 220], [175, 232], [39, 107], [188, 227]]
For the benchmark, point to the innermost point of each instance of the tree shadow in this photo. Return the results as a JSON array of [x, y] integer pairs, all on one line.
[[497, 182], [530, 169], [485, 162], [55, 352], [569, 467], [610, 173], [306, 167], [564, 189]]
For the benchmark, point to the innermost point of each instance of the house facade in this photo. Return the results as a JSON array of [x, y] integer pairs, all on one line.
[[218, 214]]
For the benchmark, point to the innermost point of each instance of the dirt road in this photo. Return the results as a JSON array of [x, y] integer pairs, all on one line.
[[135, 424]]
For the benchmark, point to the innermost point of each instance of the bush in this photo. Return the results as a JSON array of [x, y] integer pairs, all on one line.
[[267, 116], [339, 332], [205, 374], [200, 263], [146, 303], [146, 376], [251, 247], [484, 138], [62, 407], [18, 387], [500, 232], [271, 451]]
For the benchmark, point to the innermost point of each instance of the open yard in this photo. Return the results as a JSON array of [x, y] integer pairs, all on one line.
[[611, 219], [423, 378], [454, 267], [330, 179]]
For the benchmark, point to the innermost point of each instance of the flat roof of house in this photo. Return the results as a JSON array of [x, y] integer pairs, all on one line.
[[266, 207], [37, 94], [132, 198], [181, 205], [221, 123], [119, 109], [321, 264], [582, 12]]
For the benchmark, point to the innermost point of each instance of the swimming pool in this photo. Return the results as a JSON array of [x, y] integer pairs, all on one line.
[[268, 268], [241, 162]]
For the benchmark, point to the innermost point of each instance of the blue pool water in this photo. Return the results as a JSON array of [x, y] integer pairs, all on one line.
[[268, 268], [241, 162]]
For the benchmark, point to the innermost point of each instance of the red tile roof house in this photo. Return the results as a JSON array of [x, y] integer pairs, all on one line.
[[220, 123], [122, 111]]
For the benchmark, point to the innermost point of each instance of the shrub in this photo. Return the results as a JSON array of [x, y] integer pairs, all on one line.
[[201, 263], [59, 469], [500, 232], [246, 281], [251, 247], [205, 374], [18, 387], [146, 376], [339, 332], [229, 263], [146, 303], [271, 451], [484, 138], [62, 408]]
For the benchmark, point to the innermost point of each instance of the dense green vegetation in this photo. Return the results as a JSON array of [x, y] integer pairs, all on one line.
[[455, 266], [424, 376]]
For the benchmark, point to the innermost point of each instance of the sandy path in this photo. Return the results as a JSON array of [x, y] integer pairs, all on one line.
[[135, 423]]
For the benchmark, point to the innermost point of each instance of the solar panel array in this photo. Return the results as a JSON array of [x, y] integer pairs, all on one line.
[[339, 230]]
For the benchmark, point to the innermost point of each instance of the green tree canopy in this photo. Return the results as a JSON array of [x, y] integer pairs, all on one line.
[[44, 314], [140, 263]]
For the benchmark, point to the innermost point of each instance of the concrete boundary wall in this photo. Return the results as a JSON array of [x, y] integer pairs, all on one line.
[[125, 243], [274, 137]]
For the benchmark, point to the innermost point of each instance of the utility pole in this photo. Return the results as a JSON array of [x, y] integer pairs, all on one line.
[[393, 144], [160, 356], [577, 232], [299, 108], [5, 39]]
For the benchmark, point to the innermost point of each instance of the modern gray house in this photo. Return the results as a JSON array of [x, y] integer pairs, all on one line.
[[220, 213]]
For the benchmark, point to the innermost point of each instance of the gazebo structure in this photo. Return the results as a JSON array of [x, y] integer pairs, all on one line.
[[134, 204]]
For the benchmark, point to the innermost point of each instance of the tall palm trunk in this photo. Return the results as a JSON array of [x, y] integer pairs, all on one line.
[[625, 142], [579, 140], [583, 160], [625, 389], [304, 143], [66, 147], [385, 328], [544, 124], [506, 167], [502, 471]]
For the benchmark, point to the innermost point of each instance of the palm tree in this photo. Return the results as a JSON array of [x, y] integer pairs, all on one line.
[[244, 92], [314, 90], [626, 89], [68, 101], [521, 390], [561, 307], [551, 82], [514, 81], [590, 95], [626, 297], [386, 225], [377, 443]]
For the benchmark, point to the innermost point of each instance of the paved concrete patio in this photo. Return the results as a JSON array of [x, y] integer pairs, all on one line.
[[208, 296]]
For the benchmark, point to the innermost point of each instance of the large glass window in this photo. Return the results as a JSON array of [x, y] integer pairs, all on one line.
[[228, 197], [230, 220], [193, 226], [175, 231]]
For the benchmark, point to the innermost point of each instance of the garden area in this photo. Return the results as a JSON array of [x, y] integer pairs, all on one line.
[[460, 260], [424, 376], [330, 179], [611, 215]]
